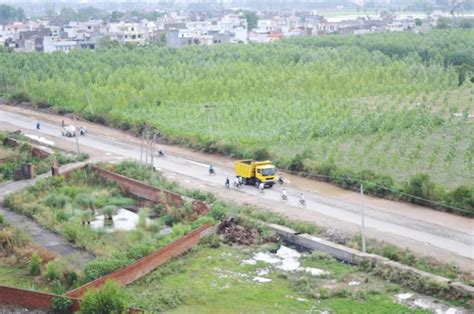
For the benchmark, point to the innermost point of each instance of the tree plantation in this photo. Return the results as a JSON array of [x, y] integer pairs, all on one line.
[[386, 108]]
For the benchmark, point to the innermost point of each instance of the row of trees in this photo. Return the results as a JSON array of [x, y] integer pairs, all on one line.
[[10, 14]]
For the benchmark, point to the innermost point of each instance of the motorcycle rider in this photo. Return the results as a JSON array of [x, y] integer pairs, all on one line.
[[211, 170], [302, 199], [227, 182], [280, 179], [261, 187]]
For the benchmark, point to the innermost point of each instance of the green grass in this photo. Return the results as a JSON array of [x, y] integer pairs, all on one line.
[[210, 280], [16, 275], [374, 304], [12, 158]]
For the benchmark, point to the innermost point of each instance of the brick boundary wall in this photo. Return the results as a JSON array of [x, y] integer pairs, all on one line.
[[148, 192], [145, 265], [40, 300], [30, 299]]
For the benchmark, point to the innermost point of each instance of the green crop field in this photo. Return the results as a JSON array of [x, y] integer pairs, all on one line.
[[393, 104]]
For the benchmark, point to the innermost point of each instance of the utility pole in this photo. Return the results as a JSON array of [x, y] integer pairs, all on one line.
[[141, 146], [153, 142], [77, 135], [362, 227], [146, 147]]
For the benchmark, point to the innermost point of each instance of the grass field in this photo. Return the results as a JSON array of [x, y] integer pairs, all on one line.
[[210, 280]]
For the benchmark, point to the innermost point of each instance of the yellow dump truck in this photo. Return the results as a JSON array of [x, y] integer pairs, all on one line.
[[254, 172]]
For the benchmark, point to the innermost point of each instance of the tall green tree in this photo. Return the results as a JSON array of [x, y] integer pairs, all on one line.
[[252, 19]]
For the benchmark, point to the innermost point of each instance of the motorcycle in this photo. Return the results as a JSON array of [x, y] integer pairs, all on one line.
[[237, 183], [161, 153], [211, 171], [284, 197], [280, 180]]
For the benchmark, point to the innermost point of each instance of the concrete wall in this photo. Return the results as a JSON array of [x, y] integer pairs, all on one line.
[[382, 264], [150, 193], [148, 263], [29, 299]]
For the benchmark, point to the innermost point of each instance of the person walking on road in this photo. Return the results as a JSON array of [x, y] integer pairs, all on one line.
[[38, 125]]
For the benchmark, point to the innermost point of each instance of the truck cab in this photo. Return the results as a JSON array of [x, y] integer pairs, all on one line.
[[255, 172]]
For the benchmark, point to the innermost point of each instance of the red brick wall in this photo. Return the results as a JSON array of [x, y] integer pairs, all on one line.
[[143, 266], [29, 299], [148, 192], [40, 152]]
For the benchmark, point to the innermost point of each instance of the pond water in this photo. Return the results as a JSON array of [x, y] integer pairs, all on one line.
[[123, 220]]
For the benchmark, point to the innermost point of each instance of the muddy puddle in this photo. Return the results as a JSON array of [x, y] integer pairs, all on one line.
[[285, 259], [415, 300], [123, 220]]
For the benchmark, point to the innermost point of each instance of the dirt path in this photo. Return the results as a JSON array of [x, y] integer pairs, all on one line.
[[48, 239], [44, 237], [423, 230]]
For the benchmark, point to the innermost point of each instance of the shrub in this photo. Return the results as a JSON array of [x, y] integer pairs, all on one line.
[[462, 197], [158, 210], [53, 271], [261, 154], [168, 220], [42, 105], [391, 252], [211, 241], [421, 186], [35, 265], [110, 298], [86, 201], [57, 287], [61, 305], [121, 201], [61, 216], [142, 218], [2, 219], [109, 211], [217, 212], [297, 163], [20, 97], [71, 232], [71, 278], [87, 216], [103, 266], [56, 201]]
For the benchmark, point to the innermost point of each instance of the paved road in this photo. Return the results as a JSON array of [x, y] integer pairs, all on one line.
[[44, 237], [451, 240]]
